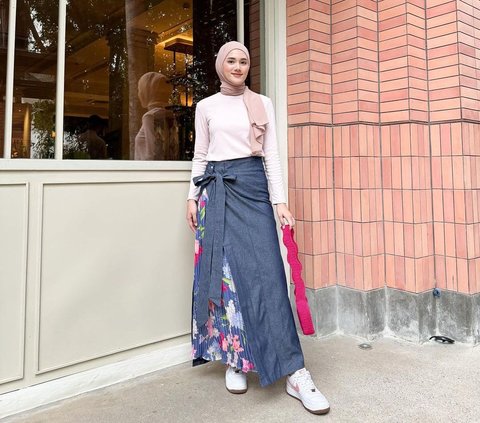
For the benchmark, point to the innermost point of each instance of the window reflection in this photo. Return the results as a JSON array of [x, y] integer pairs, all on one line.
[[122, 66], [157, 138], [33, 129], [134, 70]]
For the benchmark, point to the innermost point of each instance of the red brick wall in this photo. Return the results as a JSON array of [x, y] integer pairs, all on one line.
[[354, 61], [454, 48], [406, 176], [310, 148], [356, 145], [383, 133]]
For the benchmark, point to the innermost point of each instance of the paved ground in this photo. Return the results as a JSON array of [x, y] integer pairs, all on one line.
[[393, 382]]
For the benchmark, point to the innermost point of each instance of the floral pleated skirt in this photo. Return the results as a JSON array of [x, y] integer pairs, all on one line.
[[223, 336]]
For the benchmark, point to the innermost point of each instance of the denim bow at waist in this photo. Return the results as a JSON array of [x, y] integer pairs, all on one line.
[[210, 278]]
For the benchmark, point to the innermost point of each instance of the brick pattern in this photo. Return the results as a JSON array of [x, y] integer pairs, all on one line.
[[403, 61], [383, 118], [407, 200], [453, 59], [455, 187], [443, 60], [358, 206], [309, 62], [468, 13], [310, 182], [310, 148], [354, 61]]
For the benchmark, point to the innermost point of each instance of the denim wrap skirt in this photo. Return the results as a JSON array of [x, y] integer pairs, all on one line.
[[240, 225]]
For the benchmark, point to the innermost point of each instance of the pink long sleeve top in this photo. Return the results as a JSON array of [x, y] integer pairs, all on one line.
[[222, 132]]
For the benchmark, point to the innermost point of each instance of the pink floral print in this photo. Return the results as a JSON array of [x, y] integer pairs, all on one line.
[[223, 336]]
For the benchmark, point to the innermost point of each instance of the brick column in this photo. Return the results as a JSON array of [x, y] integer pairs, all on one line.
[[453, 57], [408, 224], [310, 137], [358, 202], [384, 163]]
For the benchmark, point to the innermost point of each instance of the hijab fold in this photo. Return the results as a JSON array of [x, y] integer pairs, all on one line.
[[253, 102], [151, 88]]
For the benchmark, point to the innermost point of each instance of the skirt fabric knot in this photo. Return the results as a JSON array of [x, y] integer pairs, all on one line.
[[209, 286]]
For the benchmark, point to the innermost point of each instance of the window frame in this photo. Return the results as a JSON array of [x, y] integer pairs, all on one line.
[[273, 77]]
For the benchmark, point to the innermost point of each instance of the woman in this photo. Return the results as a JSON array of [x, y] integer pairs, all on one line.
[[156, 139], [241, 310]]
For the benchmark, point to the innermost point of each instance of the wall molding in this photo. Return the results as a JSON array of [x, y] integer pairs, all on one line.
[[23, 277], [69, 386], [38, 369]]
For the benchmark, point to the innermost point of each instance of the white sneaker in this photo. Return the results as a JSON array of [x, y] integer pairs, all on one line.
[[300, 386], [235, 381]]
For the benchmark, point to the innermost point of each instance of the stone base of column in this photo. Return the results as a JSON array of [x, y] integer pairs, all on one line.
[[387, 311]]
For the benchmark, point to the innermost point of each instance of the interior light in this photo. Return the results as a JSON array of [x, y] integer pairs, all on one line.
[[187, 40]]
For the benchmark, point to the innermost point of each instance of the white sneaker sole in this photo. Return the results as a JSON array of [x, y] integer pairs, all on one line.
[[237, 391], [293, 393]]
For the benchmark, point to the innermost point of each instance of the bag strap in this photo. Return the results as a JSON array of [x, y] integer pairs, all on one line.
[[301, 302]]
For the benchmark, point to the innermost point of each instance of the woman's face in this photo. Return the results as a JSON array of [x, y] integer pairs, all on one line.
[[236, 67]]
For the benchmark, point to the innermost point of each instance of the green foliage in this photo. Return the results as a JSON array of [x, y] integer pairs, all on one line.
[[73, 148], [43, 123]]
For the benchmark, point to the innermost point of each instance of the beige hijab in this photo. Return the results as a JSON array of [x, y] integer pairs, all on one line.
[[253, 101], [150, 90]]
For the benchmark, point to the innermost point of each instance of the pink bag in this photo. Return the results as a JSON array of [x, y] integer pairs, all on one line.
[[301, 302]]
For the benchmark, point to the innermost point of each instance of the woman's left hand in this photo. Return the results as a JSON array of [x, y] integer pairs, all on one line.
[[284, 215]]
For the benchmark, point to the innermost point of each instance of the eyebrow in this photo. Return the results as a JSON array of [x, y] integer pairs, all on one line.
[[234, 58]]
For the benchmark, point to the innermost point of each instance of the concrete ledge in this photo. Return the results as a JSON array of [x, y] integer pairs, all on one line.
[[476, 319], [361, 313], [456, 317], [326, 312], [323, 307], [409, 316]]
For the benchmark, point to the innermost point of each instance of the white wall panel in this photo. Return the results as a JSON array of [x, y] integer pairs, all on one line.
[[116, 269], [13, 244]]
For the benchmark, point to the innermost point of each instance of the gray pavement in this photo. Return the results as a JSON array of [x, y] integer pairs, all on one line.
[[395, 381]]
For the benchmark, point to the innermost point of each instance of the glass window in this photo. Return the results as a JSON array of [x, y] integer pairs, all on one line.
[[33, 132], [134, 71], [3, 66]]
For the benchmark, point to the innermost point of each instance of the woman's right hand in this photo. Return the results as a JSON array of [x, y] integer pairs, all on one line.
[[192, 215]]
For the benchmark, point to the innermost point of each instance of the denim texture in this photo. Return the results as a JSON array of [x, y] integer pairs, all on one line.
[[241, 224]]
